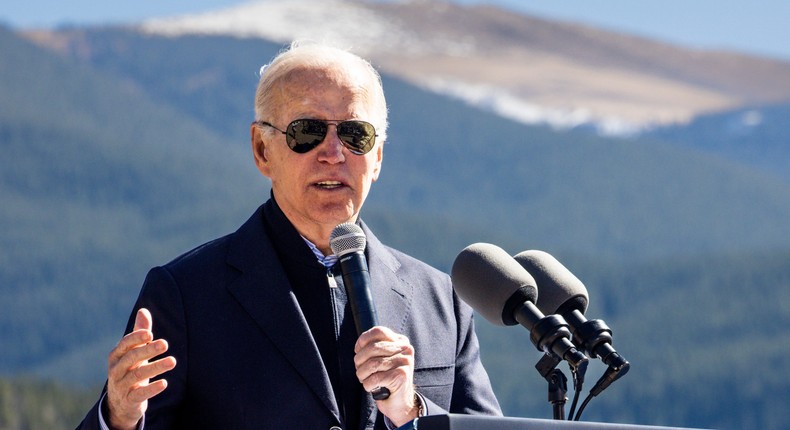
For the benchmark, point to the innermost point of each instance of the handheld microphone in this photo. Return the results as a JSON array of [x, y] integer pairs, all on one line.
[[564, 294], [348, 242], [504, 293]]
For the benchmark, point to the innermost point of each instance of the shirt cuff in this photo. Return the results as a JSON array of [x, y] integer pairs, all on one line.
[[421, 411]]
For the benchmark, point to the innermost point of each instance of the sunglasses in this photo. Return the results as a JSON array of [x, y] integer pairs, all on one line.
[[302, 135]]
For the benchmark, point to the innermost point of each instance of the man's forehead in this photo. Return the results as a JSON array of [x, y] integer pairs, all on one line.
[[306, 97], [311, 107]]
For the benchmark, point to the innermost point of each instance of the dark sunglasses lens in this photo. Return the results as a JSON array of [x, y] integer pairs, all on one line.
[[305, 134], [359, 136]]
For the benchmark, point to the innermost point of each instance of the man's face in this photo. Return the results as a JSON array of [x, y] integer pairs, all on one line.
[[327, 185]]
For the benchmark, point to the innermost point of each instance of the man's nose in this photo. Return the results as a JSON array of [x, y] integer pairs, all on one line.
[[331, 148]]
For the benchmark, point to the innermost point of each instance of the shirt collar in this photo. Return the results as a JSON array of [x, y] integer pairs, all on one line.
[[328, 261]]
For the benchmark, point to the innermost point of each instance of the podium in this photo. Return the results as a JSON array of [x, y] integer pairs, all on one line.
[[480, 422]]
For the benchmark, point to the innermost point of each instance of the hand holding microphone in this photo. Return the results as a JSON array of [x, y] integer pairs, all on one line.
[[348, 242]]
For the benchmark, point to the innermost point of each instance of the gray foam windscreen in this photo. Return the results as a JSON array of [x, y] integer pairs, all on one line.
[[486, 277], [559, 288]]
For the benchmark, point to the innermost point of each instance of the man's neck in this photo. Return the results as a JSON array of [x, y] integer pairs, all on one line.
[[312, 230], [318, 235]]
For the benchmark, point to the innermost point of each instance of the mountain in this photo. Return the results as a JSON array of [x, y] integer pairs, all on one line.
[[527, 69], [560, 190], [126, 148], [754, 135], [97, 180]]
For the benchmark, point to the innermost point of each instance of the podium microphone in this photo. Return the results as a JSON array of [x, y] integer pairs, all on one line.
[[563, 293], [348, 242], [502, 291]]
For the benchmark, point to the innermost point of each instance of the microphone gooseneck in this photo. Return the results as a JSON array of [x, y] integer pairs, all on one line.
[[348, 242]]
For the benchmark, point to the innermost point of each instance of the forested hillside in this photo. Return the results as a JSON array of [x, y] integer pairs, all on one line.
[[566, 190], [27, 403], [133, 149], [707, 338], [756, 136], [98, 183]]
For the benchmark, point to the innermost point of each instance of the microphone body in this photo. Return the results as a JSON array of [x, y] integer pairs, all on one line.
[[348, 242], [356, 278], [496, 286], [564, 294]]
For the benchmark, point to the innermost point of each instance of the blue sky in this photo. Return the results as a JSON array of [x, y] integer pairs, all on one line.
[[761, 27]]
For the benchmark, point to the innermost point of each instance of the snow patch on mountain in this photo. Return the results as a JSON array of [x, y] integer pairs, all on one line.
[[353, 25], [346, 23], [503, 103]]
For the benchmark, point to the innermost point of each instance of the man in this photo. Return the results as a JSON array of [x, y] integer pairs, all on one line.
[[253, 330]]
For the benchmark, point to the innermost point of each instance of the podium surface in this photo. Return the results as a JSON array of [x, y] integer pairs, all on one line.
[[480, 422]]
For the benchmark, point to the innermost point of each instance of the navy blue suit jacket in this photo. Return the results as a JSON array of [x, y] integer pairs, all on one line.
[[245, 355]]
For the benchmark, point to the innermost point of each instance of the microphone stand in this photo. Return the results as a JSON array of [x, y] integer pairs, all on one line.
[[558, 384]]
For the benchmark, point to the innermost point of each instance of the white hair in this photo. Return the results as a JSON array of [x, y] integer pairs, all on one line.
[[301, 55]]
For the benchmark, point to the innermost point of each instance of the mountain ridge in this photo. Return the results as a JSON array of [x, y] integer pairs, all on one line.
[[563, 74], [528, 69]]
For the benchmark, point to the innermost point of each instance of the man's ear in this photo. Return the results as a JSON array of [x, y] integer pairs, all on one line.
[[259, 149], [379, 155]]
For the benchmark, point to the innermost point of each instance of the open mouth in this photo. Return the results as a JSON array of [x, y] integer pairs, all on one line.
[[329, 185]]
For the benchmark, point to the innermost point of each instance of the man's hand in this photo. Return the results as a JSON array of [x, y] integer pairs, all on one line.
[[386, 359], [128, 387]]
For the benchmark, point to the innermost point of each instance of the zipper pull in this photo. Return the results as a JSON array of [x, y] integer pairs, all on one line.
[[330, 278]]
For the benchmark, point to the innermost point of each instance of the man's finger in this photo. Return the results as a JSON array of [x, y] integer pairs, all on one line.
[[142, 353], [129, 342], [382, 364], [143, 320], [145, 392], [150, 370], [139, 336], [382, 350], [375, 334], [393, 379]]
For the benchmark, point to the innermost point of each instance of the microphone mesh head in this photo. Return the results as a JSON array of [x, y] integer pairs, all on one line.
[[347, 237]]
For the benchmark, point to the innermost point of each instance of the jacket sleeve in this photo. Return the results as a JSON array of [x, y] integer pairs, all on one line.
[[91, 420], [472, 391], [160, 296]]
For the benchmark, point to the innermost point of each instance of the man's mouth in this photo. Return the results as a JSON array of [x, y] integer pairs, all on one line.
[[329, 184]]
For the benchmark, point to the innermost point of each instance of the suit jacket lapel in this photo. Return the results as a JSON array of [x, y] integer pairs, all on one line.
[[264, 292], [392, 297], [391, 294]]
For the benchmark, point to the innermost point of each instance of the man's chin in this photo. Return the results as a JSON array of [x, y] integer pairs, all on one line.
[[336, 214]]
